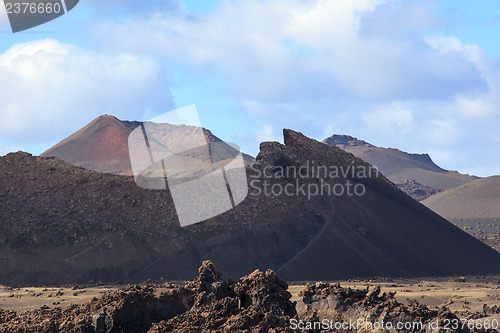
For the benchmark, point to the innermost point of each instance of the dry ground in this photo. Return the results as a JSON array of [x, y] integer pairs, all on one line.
[[463, 298], [23, 299], [468, 296]]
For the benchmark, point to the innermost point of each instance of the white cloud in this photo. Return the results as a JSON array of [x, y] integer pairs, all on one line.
[[399, 18], [4, 20], [394, 120], [441, 132], [9, 149], [266, 133], [479, 105], [360, 67], [447, 44], [326, 22], [48, 88], [276, 51], [443, 157]]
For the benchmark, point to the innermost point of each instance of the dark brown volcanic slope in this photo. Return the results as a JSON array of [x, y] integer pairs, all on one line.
[[102, 146], [61, 224], [399, 166]]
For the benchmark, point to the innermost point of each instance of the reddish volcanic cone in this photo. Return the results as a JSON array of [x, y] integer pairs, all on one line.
[[101, 146]]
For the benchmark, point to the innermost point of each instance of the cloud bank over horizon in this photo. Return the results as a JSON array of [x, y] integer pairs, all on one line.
[[49, 88], [387, 72]]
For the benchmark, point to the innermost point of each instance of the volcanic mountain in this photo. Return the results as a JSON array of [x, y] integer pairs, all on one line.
[[102, 145], [400, 166], [478, 199], [470, 204], [474, 207], [65, 224]]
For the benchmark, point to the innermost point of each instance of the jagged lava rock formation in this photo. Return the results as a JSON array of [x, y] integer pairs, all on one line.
[[416, 190], [258, 302]]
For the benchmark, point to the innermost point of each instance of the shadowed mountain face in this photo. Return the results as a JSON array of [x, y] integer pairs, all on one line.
[[399, 166], [102, 145], [63, 224]]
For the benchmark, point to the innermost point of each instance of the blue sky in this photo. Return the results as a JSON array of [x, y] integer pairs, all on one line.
[[421, 76]]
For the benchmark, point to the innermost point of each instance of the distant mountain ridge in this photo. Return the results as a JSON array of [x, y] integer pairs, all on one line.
[[102, 146], [400, 166], [345, 140]]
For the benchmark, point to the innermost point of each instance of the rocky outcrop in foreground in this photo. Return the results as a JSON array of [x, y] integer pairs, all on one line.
[[370, 310], [258, 302]]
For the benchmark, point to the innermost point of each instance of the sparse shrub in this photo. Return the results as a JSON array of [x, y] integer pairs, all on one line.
[[362, 231]]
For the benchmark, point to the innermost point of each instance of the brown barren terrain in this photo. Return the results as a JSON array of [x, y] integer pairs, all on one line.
[[64, 224], [258, 302], [474, 207]]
